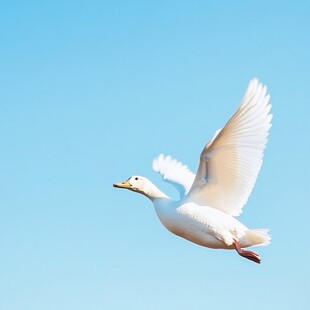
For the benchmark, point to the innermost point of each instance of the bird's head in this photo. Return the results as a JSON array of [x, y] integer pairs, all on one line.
[[135, 183], [141, 185]]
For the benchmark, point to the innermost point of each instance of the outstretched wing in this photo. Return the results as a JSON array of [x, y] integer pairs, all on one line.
[[230, 162], [174, 172]]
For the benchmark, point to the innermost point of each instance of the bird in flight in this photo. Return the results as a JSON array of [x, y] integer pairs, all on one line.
[[211, 199]]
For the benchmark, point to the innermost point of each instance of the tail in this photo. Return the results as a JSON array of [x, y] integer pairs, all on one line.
[[258, 237]]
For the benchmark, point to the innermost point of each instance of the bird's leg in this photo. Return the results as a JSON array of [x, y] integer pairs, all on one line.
[[247, 254]]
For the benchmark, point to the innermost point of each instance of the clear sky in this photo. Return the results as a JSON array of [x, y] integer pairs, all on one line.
[[90, 93]]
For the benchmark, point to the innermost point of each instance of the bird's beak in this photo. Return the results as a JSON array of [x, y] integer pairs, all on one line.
[[124, 184]]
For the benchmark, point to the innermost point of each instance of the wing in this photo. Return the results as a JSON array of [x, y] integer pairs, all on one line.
[[230, 162], [174, 172]]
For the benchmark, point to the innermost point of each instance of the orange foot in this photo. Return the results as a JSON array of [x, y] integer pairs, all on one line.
[[247, 254]]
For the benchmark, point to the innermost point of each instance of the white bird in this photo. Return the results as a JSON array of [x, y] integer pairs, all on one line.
[[227, 171]]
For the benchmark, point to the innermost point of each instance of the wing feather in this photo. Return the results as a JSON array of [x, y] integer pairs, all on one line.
[[174, 172], [230, 162]]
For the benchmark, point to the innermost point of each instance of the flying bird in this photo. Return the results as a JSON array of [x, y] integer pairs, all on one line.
[[211, 199]]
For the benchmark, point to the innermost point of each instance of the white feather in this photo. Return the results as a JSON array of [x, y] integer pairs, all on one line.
[[230, 162], [174, 172]]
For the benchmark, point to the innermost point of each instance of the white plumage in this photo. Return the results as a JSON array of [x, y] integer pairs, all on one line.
[[228, 168], [174, 172]]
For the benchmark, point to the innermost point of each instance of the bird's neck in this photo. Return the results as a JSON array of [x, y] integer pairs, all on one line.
[[153, 192]]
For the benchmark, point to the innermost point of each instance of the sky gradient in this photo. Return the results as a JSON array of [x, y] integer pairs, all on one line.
[[90, 93]]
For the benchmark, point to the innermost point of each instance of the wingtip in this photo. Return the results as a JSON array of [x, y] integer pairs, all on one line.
[[255, 84], [157, 162], [255, 80]]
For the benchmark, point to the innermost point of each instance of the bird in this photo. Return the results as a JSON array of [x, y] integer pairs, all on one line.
[[210, 200]]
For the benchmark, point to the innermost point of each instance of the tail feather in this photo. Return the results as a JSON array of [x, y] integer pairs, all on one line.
[[257, 237]]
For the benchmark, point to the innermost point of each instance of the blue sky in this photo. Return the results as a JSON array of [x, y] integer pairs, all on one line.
[[90, 93]]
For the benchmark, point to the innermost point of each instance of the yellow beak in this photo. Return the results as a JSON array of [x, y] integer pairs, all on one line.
[[124, 184]]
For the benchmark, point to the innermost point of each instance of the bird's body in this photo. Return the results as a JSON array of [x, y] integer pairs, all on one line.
[[227, 171], [200, 224], [205, 226]]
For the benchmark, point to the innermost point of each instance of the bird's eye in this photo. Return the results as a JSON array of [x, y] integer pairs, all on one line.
[[136, 178]]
